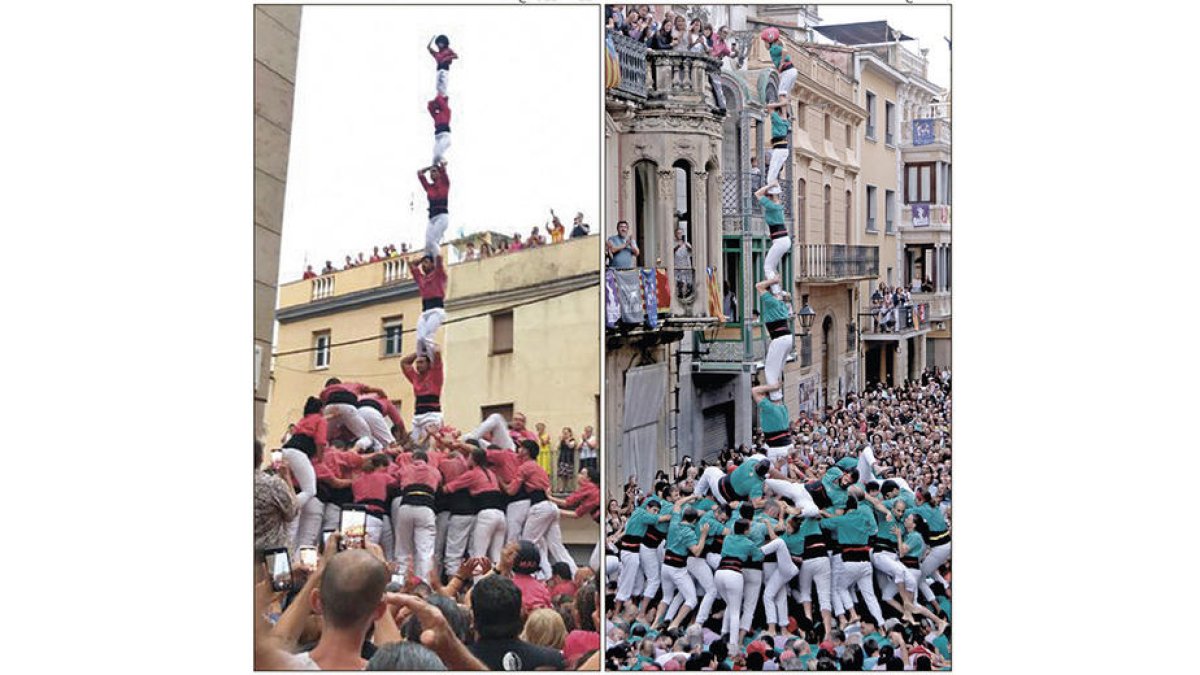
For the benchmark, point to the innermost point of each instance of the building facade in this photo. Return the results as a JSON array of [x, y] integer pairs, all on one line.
[[520, 336], [276, 43]]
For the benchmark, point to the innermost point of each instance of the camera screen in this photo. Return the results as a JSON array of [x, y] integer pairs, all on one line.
[[280, 569], [308, 556], [354, 527]]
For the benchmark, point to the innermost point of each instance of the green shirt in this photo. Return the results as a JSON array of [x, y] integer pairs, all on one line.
[[942, 645], [795, 541], [933, 516], [741, 547], [681, 536], [638, 521], [907, 497], [869, 511], [758, 529], [773, 309], [809, 526], [915, 544], [885, 527], [745, 481], [705, 505], [880, 640], [776, 51], [847, 463], [772, 212], [772, 416], [780, 125], [853, 528], [837, 494]]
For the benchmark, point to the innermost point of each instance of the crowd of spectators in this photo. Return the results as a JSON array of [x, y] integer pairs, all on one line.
[[887, 304], [903, 433], [675, 31]]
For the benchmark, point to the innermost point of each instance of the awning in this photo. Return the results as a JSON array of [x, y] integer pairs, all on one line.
[[863, 33]]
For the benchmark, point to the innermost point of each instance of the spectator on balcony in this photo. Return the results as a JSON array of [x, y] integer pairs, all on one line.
[[580, 228], [328, 269], [622, 250], [556, 229], [471, 253], [635, 26], [916, 285], [720, 43], [695, 38], [684, 279], [665, 38], [535, 238], [485, 251], [679, 30], [515, 244], [362, 260], [349, 263], [588, 458], [731, 305], [375, 257], [566, 459], [928, 286], [309, 273]]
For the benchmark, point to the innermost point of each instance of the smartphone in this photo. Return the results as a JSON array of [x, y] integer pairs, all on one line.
[[325, 538], [279, 568], [353, 526], [308, 555]]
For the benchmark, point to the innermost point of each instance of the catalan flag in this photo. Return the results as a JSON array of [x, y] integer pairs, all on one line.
[[714, 296]]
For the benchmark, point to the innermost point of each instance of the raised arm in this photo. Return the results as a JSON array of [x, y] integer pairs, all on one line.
[[760, 192], [765, 285], [699, 547], [760, 392]]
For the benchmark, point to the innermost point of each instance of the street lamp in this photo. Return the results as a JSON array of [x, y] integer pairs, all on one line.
[[807, 316]]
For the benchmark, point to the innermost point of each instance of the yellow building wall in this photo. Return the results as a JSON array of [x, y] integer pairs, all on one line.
[[879, 163]]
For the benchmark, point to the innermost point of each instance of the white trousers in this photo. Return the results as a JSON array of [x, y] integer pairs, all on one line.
[[729, 584], [779, 455], [778, 157], [858, 573], [441, 522], [777, 352], [415, 529], [677, 579], [841, 596], [631, 569], [793, 491], [424, 425], [488, 537], [346, 415], [497, 427], [380, 426], [442, 77], [937, 556], [820, 571], [375, 530], [542, 528], [788, 78], [332, 517], [515, 515], [892, 570], [594, 561], [612, 566], [441, 143], [459, 529], [751, 593], [433, 235], [708, 483], [703, 574], [775, 591], [427, 326], [774, 255], [305, 528], [651, 566]]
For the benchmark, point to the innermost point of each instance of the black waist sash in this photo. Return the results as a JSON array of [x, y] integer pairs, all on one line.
[[343, 396], [459, 503], [778, 439], [427, 403], [778, 328], [441, 128], [673, 559], [370, 403], [630, 543], [730, 563], [492, 499], [417, 495], [653, 537], [432, 303]]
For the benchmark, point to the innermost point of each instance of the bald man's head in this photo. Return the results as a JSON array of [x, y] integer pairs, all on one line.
[[351, 588]]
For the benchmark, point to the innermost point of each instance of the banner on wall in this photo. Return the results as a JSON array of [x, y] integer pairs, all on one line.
[[922, 132], [920, 215]]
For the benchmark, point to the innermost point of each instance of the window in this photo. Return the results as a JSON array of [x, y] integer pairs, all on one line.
[[320, 350], [806, 350], [502, 333], [849, 216], [731, 294], [801, 115], [870, 116], [890, 275], [889, 121], [802, 187], [505, 410], [393, 330], [871, 209], [920, 183], [828, 215], [889, 209], [828, 126], [849, 137], [945, 183]]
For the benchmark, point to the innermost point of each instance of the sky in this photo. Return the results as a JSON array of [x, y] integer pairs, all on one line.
[[525, 127], [927, 23]]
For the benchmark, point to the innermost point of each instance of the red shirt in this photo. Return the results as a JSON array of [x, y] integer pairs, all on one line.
[[428, 383], [504, 463], [343, 464], [475, 480], [372, 485], [451, 468], [352, 387], [309, 274], [444, 56], [439, 188], [432, 285], [534, 594], [522, 435], [389, 409], [419, 473], [532, 476], [314, 426], [564, 588], [439, 109], [585, 500]]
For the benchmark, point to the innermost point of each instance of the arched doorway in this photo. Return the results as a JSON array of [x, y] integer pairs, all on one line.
[[828, 356]]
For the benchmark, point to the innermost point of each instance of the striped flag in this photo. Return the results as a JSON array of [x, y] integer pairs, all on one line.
[[612, 65], [714, 297]]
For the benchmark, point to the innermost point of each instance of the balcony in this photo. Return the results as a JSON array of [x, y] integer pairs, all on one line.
[[937, 222], [834, 263], [941, 135], [633, 298], [738, 202], [939, 304], [681, 80], [630, 75], [731, 351], [899, 322]]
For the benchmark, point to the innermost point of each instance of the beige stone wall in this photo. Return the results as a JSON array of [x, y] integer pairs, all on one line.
[[276, 44]]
